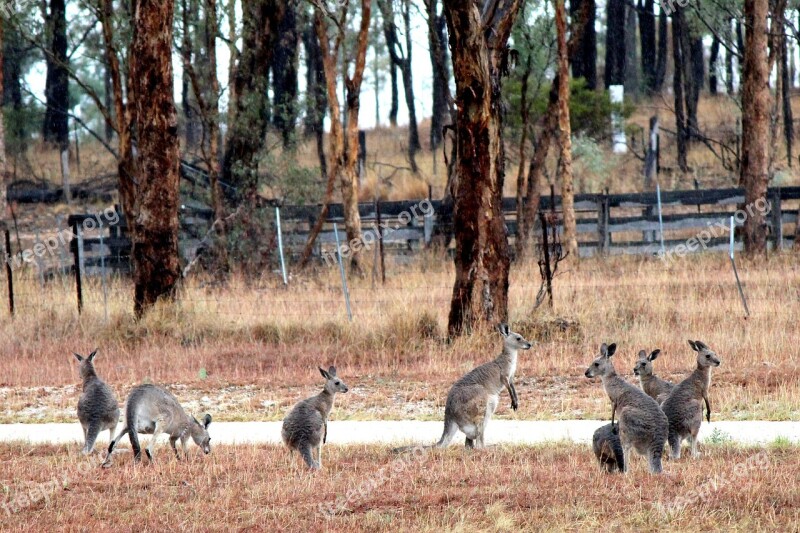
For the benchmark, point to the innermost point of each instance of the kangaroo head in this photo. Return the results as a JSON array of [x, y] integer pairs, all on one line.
[[199, 432], [511, 340], [644, 365], [86, 364], [332, 382], [705, 356], [602, 366]]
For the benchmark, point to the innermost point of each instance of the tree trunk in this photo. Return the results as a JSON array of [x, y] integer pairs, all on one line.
[[233, 60], [662, 52], [647, 37], [694, 81], [3, 169], [584, 58], [712, 66], [755, 124], [678, 28], [565, 133], [519, 242], [56, 120], [344, 137], [284, 75], [729, 60], [478, 43], [124, 113], [401, 59], [631, 61], [542, 146], [615, 46], [441, 109], [260, 20], [189, 27], [316, 96], [155, 237], [788, 118], [395, 105]]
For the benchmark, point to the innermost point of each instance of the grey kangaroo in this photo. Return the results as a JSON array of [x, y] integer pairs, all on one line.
[[642, 425], [652, 385], [683, 406], [608, 448], [473, 399], [305, 428], [98, 409], [153, 410]]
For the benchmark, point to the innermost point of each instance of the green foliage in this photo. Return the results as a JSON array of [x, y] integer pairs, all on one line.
[[591, 164]]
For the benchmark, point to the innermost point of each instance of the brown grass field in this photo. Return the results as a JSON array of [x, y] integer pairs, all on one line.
[[248, 351], [543, 488]]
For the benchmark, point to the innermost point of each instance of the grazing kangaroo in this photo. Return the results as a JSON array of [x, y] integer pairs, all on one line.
[[473, 399], [608, 448], [683, 407], [305, 428], [152, 410], [642, 425], [652, 385], [98, 409]]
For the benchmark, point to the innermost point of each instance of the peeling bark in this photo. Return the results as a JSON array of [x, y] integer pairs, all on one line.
[[155, 235], [478, 44], [755, 123], [565, 134]]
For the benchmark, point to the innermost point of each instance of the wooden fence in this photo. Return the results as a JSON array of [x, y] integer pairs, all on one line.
[[606, 224]]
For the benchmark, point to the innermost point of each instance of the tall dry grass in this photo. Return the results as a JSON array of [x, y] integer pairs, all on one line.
[[260, 333]]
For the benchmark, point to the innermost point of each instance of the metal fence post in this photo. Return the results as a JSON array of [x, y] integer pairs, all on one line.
[[341, 271], [280, 243], [736, 273], [78, 253], [10, 274]]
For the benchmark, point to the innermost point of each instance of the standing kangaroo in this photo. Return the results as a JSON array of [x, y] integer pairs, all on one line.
[[652, 385], [642, 424], [97, 407], [683, 407], [473, 399], [305, 428], [152, 410]]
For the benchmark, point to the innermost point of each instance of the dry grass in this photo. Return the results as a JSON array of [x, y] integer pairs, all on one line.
[[252, 348], [260, 488]]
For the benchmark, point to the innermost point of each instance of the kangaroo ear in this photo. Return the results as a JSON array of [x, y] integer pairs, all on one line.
[[78, 357], [324, 373], [612, 349], [91, 356], [604, 349], [502, 327], [653, 355], [642, 354], [701, 345], [206, 420], [694, 346], [332, 370]]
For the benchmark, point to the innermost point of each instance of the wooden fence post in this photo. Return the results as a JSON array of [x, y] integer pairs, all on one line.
[[77, 252], [548, 274], [9, 274], [602, 225], [777, 218]]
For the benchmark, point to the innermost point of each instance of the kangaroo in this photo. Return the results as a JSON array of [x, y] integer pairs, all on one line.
[[305, 428], [683, 407], [98, 409], [652, 385], [608, 448], [152, 410], [473, 399], [642, 425]]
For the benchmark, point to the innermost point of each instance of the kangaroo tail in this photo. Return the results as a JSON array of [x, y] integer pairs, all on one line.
[[450, 428], [305, 452], [91, 436]]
